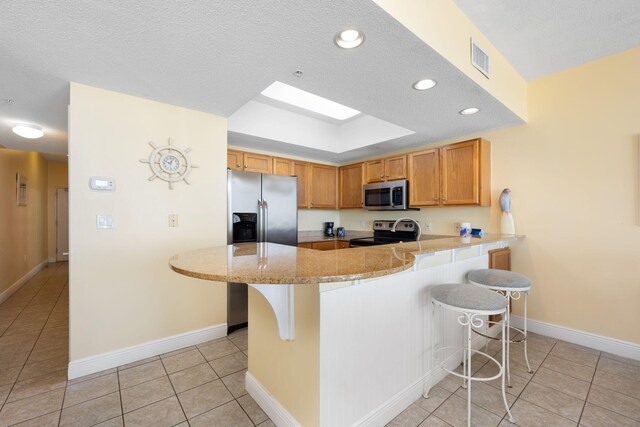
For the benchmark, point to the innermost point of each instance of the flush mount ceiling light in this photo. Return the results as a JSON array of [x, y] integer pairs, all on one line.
[[298, 97], [28, 131], [348, 39], [424, 84], [468, 111]]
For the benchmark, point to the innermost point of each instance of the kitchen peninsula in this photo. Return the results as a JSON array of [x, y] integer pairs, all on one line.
[[349, 341]]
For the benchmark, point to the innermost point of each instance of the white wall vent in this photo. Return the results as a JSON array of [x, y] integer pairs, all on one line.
[[479, 59]]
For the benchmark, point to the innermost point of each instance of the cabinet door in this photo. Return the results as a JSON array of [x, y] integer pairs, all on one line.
[[395, 168], [500, 259], [424, 178], [308, 245], [301, 170], [282, 166], [323, 186], [257, 163], [342, 244], [460, 173], [351, 180], [328, 245], [234, 160], [374, 170]]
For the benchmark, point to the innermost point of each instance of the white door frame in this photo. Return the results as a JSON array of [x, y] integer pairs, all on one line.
[[59, 257]]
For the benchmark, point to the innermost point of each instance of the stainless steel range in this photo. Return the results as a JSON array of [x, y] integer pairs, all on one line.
[[406, 231]]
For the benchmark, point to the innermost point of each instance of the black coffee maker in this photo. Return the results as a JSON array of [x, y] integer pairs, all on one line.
[[328, 229]]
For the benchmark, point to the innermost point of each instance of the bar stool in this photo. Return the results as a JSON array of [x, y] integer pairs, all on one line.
[[473, 303], [512, 285]]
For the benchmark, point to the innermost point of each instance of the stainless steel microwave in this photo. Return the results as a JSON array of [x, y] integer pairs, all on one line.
[[386, 196]]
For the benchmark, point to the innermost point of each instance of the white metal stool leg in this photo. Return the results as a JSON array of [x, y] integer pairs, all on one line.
[[468, 373], [504, 394], [526, 337], [507, 321]]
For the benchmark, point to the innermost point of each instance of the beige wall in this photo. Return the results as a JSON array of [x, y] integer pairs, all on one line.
[[445, 28], [290, 370], [573, 172], [23, 229], [122, 291], [57, 177]]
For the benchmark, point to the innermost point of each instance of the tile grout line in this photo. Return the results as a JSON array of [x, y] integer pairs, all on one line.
[[525, 386], [174, 389], [25, 362], [119, 394], [589, 391]]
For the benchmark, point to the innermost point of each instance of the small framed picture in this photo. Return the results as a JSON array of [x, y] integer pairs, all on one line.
[[21, 190]]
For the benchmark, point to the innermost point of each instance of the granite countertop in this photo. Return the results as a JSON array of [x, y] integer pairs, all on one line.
[[278, 264]]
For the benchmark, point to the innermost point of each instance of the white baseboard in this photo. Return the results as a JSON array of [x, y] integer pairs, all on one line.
[[112, 359], [52, 259], [587, 339], [278, 414], [21, 281]]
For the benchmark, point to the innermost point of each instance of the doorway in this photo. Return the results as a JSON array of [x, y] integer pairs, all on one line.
[[62, 224]]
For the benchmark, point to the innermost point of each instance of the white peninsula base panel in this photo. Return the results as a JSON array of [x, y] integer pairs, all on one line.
[[374, 341]]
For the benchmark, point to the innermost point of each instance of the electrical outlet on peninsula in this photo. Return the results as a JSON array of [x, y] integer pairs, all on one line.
[[173, 220]]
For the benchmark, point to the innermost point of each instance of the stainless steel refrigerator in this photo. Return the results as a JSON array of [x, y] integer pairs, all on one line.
[[261, 208]]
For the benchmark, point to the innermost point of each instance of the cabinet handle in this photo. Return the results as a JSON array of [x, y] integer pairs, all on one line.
[[444, 199], [435, 199], [381, 176], [245, 166], [237, 165]]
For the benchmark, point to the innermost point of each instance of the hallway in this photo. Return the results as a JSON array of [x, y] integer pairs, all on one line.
[[204, 384]]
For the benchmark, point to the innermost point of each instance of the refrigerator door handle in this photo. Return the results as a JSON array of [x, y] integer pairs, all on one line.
[[265, 219], [260, 221]]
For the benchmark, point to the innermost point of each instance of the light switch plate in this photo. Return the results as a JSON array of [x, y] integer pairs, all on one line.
[[105, 222]]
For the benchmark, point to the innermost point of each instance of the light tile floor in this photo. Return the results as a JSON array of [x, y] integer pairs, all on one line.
[[204, 385], [199, 386]]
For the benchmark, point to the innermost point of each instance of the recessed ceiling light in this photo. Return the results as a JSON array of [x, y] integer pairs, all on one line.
[[468, 111], [298, 97], [424, 84], [348, 39], [28, 131]]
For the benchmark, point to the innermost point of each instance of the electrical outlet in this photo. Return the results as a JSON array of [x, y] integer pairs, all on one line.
[[173, 220], [427, 227]]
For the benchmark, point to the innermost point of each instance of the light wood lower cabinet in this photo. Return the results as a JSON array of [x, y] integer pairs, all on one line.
[[500, 259], [454, 175], [323, 186], [351, 181], [325, 245]]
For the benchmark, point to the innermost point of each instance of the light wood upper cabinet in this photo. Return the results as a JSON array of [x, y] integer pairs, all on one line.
[[388, 169], [395, 168], [323, 186], [257, 163], [374, 170], [456, 174], [301, 170], [424, 178], [234, 160], [351, 181], [466, 175], [282, 166]]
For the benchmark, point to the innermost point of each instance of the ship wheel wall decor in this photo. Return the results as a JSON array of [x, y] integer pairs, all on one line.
[[169, 163]]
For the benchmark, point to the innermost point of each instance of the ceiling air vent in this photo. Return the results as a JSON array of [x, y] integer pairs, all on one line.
[[479, 59]]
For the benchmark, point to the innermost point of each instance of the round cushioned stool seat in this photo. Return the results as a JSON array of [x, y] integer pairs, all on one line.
[[498, 279], [468, 297]]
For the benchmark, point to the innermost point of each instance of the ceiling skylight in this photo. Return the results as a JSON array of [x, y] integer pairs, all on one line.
[[294, 96]]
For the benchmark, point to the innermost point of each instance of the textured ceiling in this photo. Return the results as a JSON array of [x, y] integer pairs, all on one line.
[[215, 56], [541, 37]]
